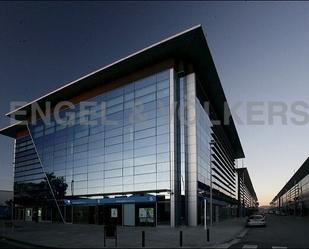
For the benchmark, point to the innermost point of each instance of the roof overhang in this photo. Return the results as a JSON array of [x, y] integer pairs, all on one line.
[[190, 46], [12, 130]]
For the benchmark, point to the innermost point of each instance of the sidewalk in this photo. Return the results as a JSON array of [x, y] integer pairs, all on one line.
[[91, 236]]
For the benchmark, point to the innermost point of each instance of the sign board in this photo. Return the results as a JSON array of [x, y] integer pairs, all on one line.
[[114, 212], [146, 215]]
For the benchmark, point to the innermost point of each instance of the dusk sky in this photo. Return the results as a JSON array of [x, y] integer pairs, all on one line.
[[260, 51]]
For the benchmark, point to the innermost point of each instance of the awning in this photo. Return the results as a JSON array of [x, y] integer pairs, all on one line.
[[109, 201]]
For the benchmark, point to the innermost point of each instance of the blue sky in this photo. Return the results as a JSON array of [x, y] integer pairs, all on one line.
[[260, 50]]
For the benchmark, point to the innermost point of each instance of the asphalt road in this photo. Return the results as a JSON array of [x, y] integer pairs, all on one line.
[[281, 232], [10, 244]]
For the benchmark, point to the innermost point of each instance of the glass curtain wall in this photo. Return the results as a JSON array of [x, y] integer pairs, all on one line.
[[117, 142], [203, 144], [296, 199], [31, 188]]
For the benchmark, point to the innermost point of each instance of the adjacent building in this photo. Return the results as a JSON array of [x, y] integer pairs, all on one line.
[[247, 199], [143, 141], [293, 198]]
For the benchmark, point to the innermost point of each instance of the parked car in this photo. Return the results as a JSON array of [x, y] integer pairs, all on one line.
[[256, 220], [277, 212]]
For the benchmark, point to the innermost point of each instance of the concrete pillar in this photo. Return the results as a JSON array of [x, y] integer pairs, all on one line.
[[192, 150], [173, 148]]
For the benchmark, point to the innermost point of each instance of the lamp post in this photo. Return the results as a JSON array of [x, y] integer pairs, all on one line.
[[205, 214], [72, 187], [12, 210], [210, 164]]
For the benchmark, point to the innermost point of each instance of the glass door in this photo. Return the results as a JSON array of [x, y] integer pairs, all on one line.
[[29, 214]]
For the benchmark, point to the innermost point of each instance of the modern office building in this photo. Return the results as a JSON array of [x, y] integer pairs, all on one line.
[[293, 198], [247, 199], [146, 141]]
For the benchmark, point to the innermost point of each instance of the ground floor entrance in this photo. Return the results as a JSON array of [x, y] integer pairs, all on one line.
[[38, 214], [221, 210], [127, 214], [134, 210], [121, 211]]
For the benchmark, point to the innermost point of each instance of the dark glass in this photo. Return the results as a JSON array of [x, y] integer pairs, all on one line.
[[127, 149]]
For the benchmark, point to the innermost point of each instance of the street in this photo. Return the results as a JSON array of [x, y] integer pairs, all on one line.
[[10, 244], [281, 232]]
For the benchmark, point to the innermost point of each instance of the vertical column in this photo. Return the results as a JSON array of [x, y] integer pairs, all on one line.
[[173, 148], [192, 150], [182, 149]]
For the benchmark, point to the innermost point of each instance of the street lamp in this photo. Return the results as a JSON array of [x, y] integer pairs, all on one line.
[[205, 214], [72, 187], [212, 142]]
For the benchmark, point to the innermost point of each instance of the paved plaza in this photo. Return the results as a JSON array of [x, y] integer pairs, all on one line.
[[91, 236]]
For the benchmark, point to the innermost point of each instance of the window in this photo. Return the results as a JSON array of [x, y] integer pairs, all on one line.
[[145, 151], [113, 165], [113, 173], [145, 133], [145, 91], [114, 101], [145, 160], [163, 84], [150, 168]]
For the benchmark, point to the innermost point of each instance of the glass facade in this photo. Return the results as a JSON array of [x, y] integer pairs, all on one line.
[[222, 162], [247, 199], [204, 125], [223, 167], [117, 144], [215, 169], [30, 185], [296, 199]]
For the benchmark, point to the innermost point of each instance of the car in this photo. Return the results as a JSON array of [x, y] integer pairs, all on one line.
[[262, 214], [270, 212], [277, 212], [256, 220]]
